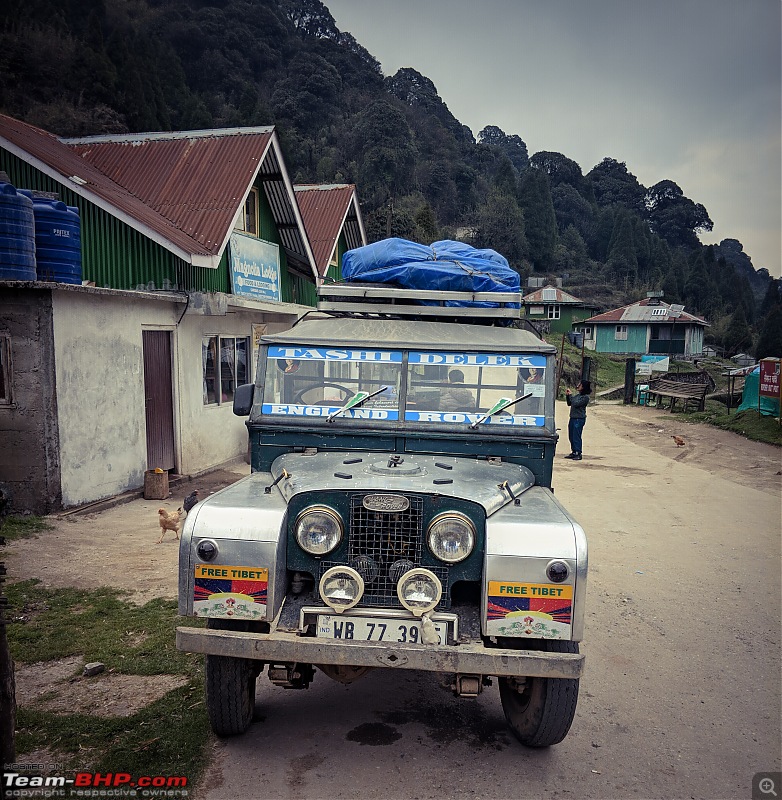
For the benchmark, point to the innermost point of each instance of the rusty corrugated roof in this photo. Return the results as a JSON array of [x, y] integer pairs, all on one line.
[[199, 180], [50, 155], [181, 189], [196, 181], [327, 210]]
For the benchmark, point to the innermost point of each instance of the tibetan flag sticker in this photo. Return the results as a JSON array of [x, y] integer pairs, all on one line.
[[534, 610], [231, 592]]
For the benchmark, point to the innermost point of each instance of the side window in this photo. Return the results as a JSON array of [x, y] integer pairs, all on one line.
[[226, 365], [248, 219], [233, 365], [6, 397], [553, 312], [621, 333]]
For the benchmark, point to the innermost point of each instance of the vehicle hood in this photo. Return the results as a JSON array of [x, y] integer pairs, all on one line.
[[488, 484]]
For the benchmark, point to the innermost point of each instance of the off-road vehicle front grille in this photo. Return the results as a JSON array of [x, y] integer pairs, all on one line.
[[382, 546]]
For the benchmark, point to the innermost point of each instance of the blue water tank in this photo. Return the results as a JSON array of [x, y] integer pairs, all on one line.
[[57, 241], [17, 235]]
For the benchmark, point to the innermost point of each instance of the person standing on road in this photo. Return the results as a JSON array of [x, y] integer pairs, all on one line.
[[578, 416]]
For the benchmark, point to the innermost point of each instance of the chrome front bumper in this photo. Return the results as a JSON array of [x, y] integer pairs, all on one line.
[[470, 658]]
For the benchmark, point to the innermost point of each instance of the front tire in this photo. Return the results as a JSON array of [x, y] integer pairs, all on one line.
[[541, 713], [230, 690]]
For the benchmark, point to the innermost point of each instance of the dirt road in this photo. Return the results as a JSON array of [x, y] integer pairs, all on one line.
[[681, 698]]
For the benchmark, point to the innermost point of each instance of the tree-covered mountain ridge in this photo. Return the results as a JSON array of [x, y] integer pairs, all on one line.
[[82, 67]]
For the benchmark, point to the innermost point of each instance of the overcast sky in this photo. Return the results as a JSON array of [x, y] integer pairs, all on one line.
[[684, 90]]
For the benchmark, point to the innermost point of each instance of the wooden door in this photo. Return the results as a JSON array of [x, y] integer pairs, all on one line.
[[159, 399]]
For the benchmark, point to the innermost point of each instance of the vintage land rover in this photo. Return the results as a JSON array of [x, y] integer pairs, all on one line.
[[399, 515]]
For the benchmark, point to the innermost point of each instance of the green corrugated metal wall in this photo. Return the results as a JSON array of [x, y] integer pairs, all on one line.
[[606, 341]]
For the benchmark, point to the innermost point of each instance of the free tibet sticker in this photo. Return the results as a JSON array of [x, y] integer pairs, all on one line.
[[232, 592], [530, 610]]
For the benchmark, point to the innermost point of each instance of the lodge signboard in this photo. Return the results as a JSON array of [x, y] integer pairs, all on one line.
[[255, 268]]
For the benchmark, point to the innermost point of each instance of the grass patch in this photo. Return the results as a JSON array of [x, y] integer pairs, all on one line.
[[748, 423], [100, 625], [23, 527], [609, 369], [167, 737]]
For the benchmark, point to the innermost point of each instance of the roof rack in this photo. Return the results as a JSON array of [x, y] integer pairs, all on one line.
[[360, 299]]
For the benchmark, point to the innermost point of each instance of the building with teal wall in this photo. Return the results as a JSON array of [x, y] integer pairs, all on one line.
[[648, 327]]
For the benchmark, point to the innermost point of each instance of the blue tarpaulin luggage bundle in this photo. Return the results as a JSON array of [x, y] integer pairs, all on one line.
[[447, 266]]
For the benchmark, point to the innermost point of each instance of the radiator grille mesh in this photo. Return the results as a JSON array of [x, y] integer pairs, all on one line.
[[380, 539]]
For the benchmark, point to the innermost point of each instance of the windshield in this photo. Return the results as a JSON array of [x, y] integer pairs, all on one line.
[[460, 387], [447, 388], [316, 382]]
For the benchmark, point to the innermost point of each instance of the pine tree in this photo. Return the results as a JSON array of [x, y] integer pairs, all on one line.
[[770, 341], [738, 336], [540, 222], [622, 260], [773, 297]]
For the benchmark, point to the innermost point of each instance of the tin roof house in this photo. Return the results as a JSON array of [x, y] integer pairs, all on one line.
[[334, 225], [193, 244], [650, 326], [555, 308]]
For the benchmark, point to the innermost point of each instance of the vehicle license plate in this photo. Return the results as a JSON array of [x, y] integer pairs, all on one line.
[[374, 629]]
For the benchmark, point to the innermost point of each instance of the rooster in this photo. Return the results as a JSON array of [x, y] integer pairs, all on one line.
[[679, 441], [169, 521]]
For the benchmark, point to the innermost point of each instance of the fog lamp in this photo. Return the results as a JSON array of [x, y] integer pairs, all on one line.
[[419, 591], [366, 567], [341, 588]]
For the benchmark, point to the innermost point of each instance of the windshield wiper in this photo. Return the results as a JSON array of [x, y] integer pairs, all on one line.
[[358, 399], [500, 405]]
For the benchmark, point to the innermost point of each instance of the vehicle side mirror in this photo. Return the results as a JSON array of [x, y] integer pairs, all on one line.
[[243, 399]]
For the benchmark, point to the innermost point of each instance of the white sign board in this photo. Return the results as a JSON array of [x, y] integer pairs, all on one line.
[[658, 363]]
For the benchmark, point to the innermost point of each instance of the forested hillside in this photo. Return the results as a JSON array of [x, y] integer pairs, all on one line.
[[80, 67]]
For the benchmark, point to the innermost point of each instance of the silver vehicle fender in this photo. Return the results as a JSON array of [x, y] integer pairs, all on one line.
[[521, 541], [247, 525]]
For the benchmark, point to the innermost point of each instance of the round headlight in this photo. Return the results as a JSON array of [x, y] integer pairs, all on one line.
[[451, 537], [341, 588], [557, 571], [419, 591], [318, 530], [206, 550]]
